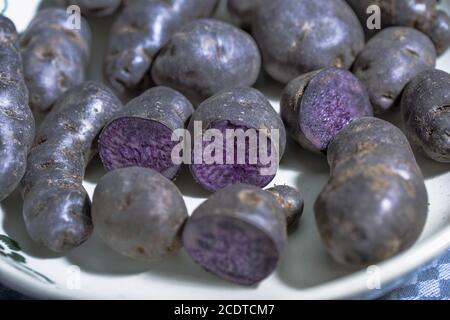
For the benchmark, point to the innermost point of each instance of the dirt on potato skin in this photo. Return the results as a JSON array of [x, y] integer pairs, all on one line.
[[375, 204], [56, 207], [17, 125]]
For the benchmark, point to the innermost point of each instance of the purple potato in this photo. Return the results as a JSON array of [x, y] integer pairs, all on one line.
[[16, 120], [390, 60], [205, 57], [98, 8], [140, 31], [299, 36], [139, 213], [141, 134], [238, 234], [55, 56], [426, 113], [244, 109], [317, 105], [56, 206], [375, 203], [291, 200], [422, 15]]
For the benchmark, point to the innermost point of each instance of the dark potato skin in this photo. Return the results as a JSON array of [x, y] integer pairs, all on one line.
[[292, 202], [238, 234], [55, 56], [140, 31], [205, 57], [317, 105], [426, 113], [299, 36], [375, 204], [56, 206], [16, 120], [237, 108], [98, 8], [420, 14], [140, 135], [139, 213], [390, 60]]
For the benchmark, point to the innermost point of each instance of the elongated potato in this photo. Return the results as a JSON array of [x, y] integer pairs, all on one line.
[[56, 207], [55, 56], [142, 28], [375, 204], [16, 120]]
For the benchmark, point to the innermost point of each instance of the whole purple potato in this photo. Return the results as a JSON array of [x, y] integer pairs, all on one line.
[[420, 14], [239, 110], [139, 213], [55, 56], [141, 134], [16, 120], [375, 204], [205, 57], [99, 8], [140, 31], [317, 105], [56, 206], [390, 60], [299, 36], [238, 234], [426, 113]]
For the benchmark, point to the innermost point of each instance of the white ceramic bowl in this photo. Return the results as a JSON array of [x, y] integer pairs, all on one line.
[[305, 272]]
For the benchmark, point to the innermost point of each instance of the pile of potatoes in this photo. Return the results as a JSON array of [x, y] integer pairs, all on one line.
[[170, 64]]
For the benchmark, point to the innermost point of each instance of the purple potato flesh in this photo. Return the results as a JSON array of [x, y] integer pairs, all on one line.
[[214, 177], [138, 34], [141, 134], [317, 105], [205, 57], [139, 213], [375, 204], [238, 108], [238, 234], [17, 125], [300, 36], [391, 59], [55, 56], [56, 207], [426, 113]]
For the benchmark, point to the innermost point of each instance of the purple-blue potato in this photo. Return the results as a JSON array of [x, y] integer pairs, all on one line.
[[141, 134], [238, 234], [292, 202], [205, 57], [56, 207], [389, 61], [140, 31], [97, 8], [300, 36], [55, 56], [139, 213], [426, 113], [375, 203], [317, 105], [16, 120], [240, 111], [422, 15]]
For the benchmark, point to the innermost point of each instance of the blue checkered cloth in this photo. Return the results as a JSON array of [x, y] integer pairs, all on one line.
[[430, 283]]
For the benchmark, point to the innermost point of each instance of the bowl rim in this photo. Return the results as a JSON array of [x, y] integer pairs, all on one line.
[[346, 287]]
